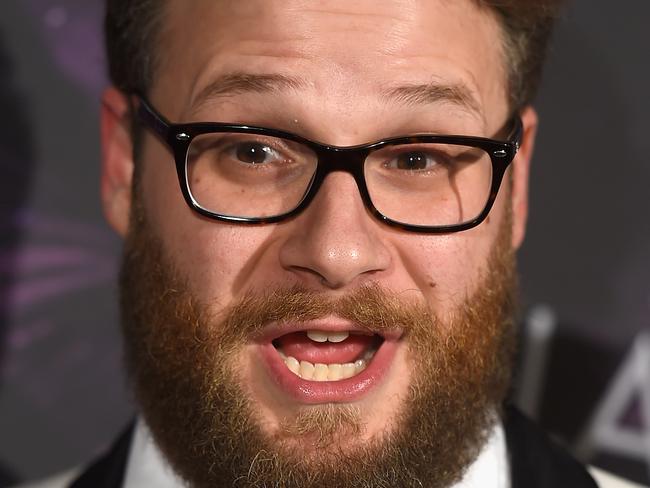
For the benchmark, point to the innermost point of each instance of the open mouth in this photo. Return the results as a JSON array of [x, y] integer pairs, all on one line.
[[327, 360], [321, 355]]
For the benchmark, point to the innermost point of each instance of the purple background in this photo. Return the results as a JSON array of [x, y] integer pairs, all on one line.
[[62, 392]]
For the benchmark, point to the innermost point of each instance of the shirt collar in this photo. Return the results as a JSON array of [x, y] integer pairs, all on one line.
[[146, 465]]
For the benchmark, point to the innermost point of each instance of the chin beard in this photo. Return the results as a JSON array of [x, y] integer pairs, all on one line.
[[181, 358]]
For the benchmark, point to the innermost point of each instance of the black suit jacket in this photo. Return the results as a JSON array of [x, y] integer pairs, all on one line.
[[535, 461]]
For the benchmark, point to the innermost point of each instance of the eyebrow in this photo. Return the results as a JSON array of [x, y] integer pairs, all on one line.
[[411, 94], [236, 83], [434, 92]]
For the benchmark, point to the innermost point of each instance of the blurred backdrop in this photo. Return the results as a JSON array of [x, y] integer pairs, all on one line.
[[585, 368]]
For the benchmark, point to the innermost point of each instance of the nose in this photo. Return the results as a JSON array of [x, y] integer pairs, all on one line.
[[335, 242]]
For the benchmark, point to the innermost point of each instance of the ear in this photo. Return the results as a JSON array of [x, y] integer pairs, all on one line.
[[520, 176], [117, 160]]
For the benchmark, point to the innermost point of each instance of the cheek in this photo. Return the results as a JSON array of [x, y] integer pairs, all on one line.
[[211, 255], [218, 258], [448, 268]]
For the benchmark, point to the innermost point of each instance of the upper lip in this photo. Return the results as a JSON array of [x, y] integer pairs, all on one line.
[[331, 324]]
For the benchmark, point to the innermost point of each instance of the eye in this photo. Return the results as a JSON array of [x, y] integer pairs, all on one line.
[[254, 153], [412, 160], [415, 161]]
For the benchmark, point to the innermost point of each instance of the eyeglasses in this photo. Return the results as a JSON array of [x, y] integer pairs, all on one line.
[[255, 175]]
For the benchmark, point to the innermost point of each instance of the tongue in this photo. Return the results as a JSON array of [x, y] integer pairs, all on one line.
[[301, 347]]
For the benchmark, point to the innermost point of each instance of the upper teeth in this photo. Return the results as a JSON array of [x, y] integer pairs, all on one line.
[[322, 336]]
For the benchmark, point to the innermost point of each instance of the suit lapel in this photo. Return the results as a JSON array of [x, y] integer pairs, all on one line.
[[108, 471], [536, 461]]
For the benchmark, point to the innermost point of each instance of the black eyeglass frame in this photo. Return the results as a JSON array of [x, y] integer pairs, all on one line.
[[351, 159]]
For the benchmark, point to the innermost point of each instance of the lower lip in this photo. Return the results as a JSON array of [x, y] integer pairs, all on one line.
[[342, 391]]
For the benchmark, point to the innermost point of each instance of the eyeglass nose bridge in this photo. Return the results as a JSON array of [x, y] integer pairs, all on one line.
[[344, 160]]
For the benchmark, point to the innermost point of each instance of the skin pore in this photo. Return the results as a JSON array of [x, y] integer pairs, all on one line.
[[350, 62]]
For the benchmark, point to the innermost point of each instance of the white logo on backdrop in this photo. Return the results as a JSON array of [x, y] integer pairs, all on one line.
[[631, 383]]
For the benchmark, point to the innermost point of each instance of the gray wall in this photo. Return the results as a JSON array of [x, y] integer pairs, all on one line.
[[62, 394]]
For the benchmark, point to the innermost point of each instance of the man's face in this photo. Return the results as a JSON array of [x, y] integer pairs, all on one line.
[[216, 304]]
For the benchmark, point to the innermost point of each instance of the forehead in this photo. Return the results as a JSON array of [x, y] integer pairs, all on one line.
[[339, 49]]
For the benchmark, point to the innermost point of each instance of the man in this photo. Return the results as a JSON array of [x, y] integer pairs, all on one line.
[[320, 203]]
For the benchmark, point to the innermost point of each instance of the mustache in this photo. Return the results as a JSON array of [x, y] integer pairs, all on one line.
[[370, 307]]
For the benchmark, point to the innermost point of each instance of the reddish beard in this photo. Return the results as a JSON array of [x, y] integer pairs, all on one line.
[[181, 360]]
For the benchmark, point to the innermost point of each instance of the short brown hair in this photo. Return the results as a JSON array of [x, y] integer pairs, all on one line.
[[527, 26], [131, 28]]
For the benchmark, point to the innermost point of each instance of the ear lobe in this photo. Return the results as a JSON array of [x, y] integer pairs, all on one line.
[[520, 176], [117, 160]]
